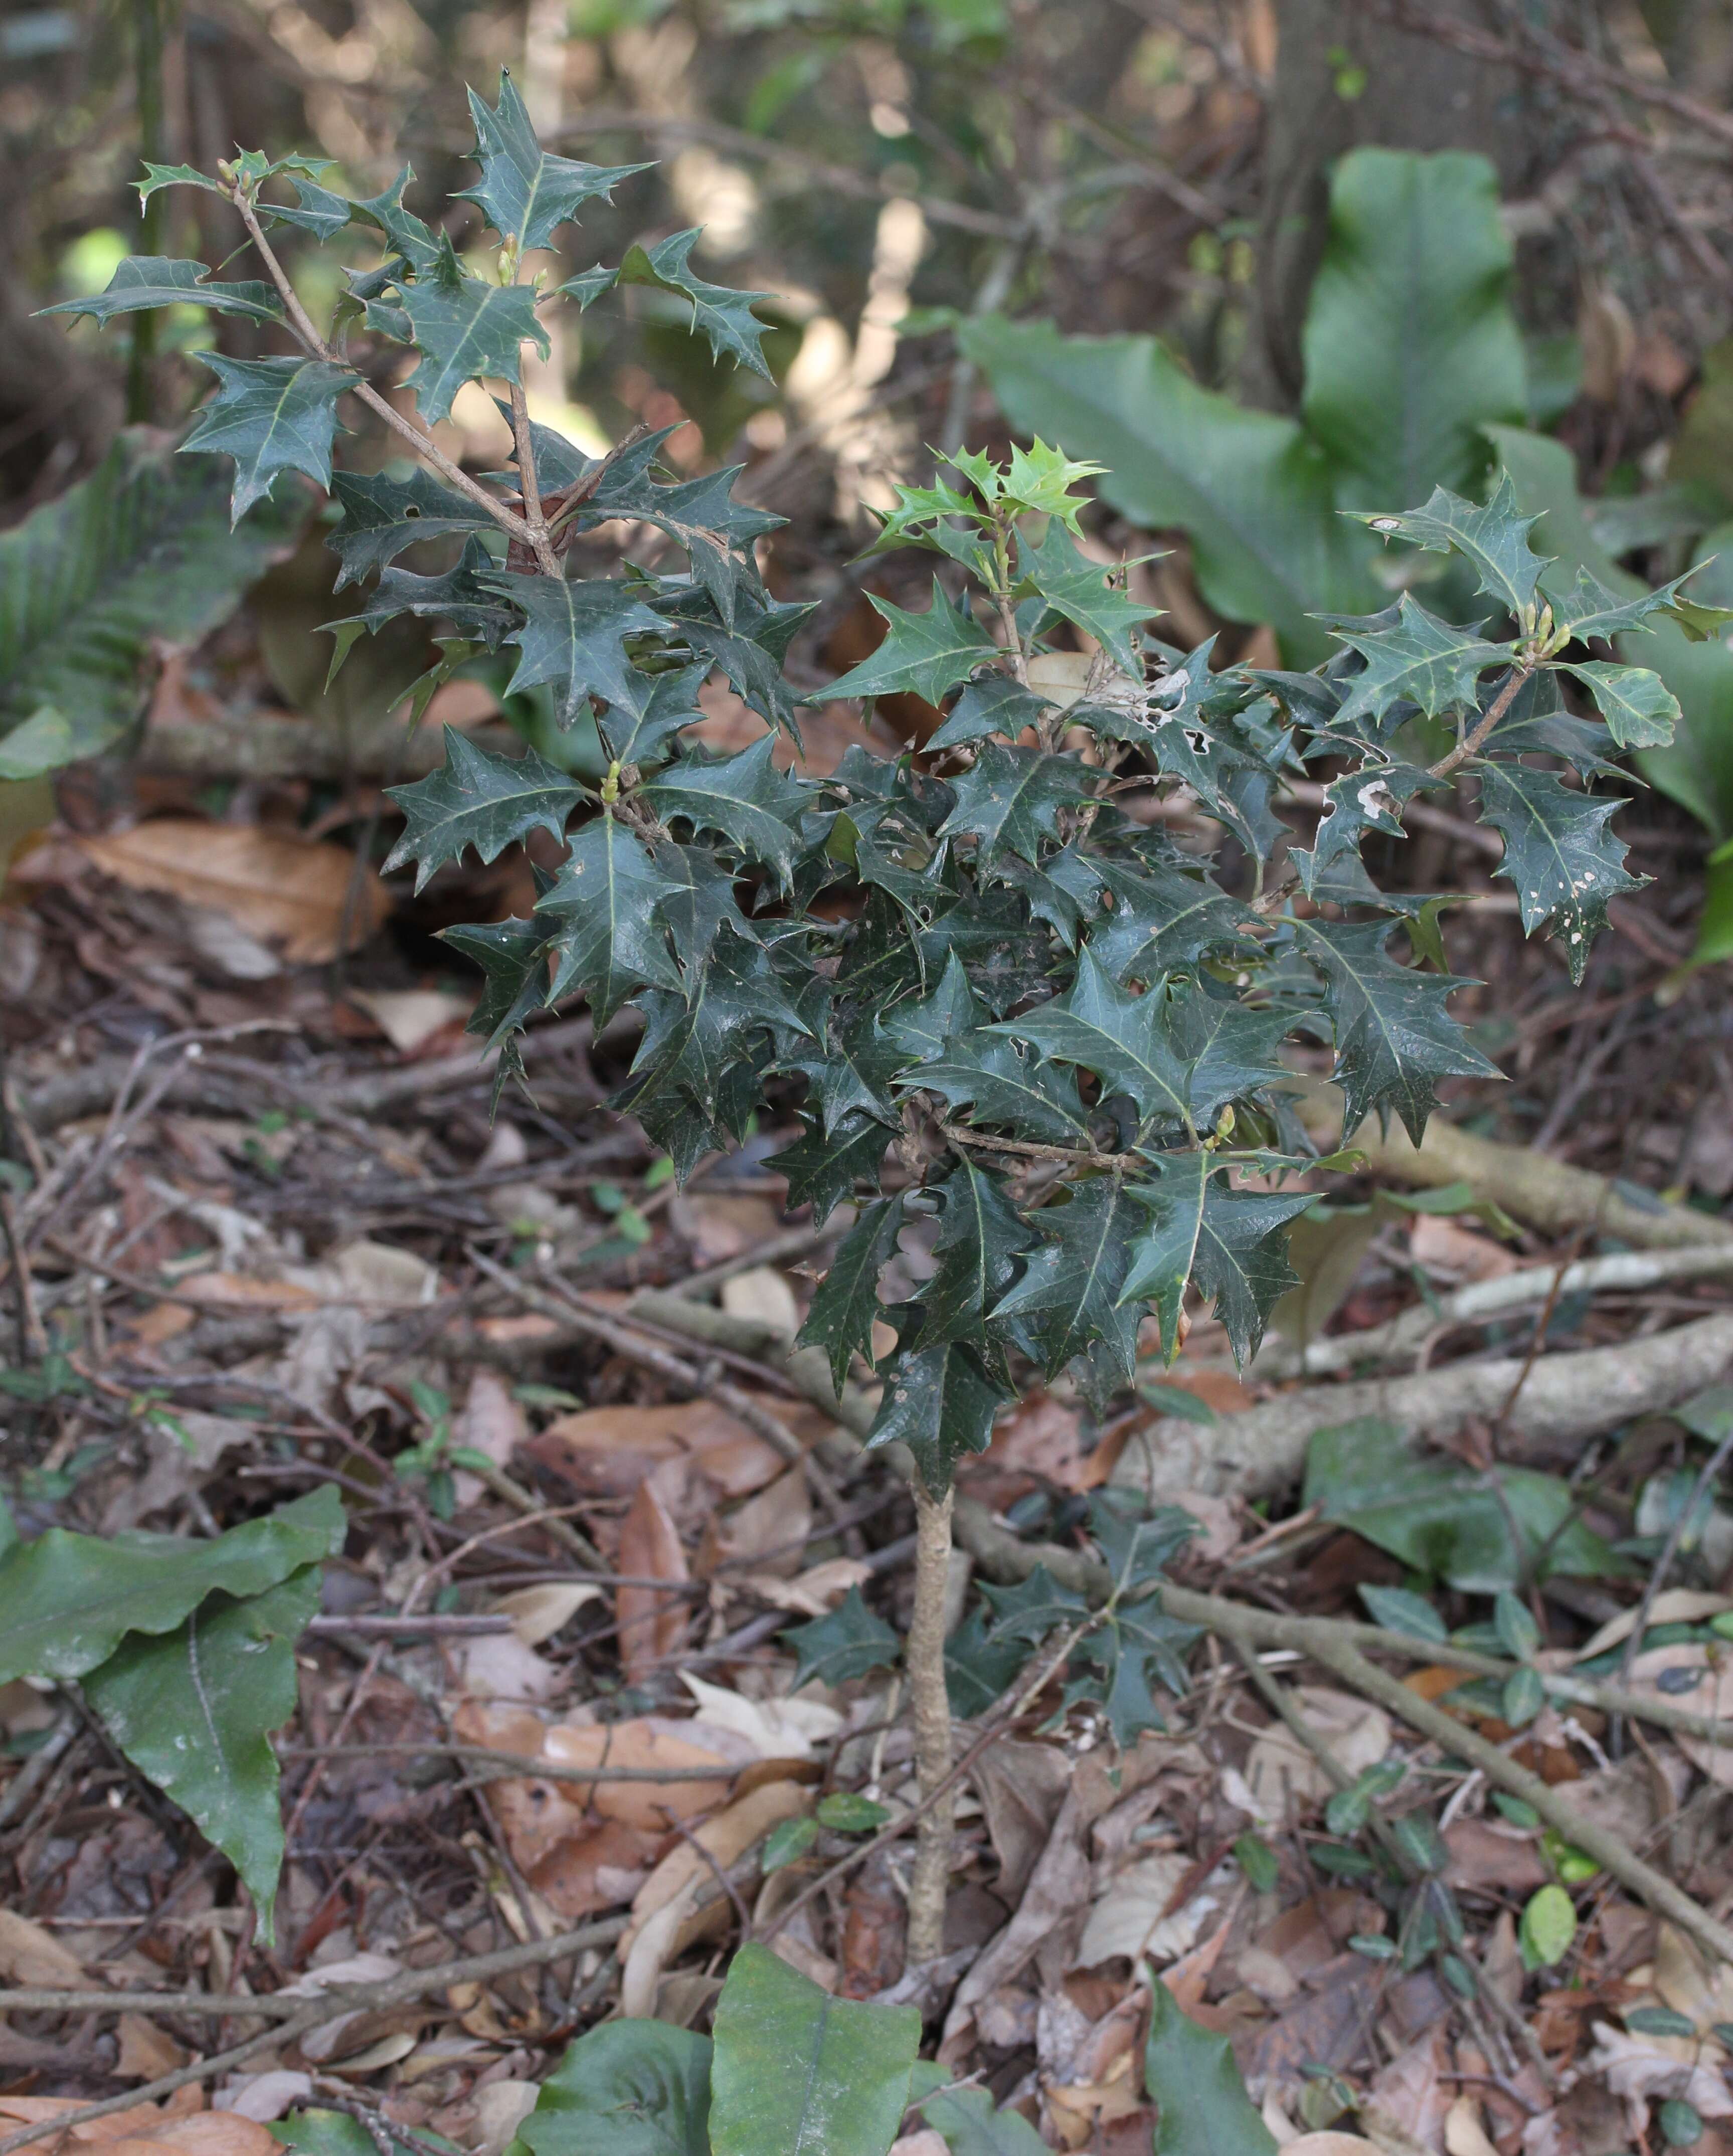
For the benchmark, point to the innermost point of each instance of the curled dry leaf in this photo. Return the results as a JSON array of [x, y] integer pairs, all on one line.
[[608, 1452], [776, 1728], [307, 895], [768, 1530], [726, 1837], [1283, 1776], [1642, 2069], [810, 1593], [493, 1424], [180, 2125], [652, 1621], [30, 1955], [538, 1613], [1674, 1605], [1131, 1918], [410, 1018]]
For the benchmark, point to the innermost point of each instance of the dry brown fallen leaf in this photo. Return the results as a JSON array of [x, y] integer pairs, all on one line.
[[1280, 1774], [181, 2124], [1711, 1693], [30, 1955], [727, 1837], [608, 1452], [769, 1530], [291, 891], [652, 1621]]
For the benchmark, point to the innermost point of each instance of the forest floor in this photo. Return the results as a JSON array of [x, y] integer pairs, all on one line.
[[267, 1238]]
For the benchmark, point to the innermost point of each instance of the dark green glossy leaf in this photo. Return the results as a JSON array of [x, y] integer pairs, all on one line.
[[823, 1169], [846, 1643], [1492, 535], [573, 637], [383, 516], [1420, 659], [626, 2088], [1640, 710], [159, 280], [512, 955], [272, 416], [722, 316], [924, 654], [466, 330], [940, 1402], [526, 192], [981, 1235], [1564, 861], [754, 806], [1010, 800], [846, 1304], [1068, 1301], [1231, 1245], [1122, 1038], [477, 799], [66, 1600], [601, 915]]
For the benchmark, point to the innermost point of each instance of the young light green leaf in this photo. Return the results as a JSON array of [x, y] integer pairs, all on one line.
[[796, 2071], [192, 1709], [1077, 587], [1547, 1928], [478, 799], [67, 1600], [272, 416]]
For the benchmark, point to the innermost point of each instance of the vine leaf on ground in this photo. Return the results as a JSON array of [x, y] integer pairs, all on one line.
[[1190, 2073], [67, 1600], [194, 1710], [847, 1642], [477, 799], [795, 2069]]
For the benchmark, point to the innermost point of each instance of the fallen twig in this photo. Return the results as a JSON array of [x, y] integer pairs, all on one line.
[[285, 2019]]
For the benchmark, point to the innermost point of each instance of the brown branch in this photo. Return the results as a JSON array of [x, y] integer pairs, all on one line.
[[302, 324], [929, 1698], [529, 486], [1471, 743]]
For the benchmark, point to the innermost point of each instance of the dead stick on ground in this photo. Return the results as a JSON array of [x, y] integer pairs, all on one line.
[[395, 1991], [923, 1655]]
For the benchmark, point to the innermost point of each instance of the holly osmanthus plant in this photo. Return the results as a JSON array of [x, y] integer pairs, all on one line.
[[1030, 1025]]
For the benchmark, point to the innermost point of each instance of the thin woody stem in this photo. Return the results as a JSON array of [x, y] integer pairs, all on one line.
[[1471, 743], [302, 324], [924, 1656], [1075, 1155], [534, 515]]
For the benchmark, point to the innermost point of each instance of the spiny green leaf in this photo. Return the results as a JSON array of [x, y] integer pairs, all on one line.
[[1639, 709], [1492, 535], [940, 1402], [67, 1600], [176, 176], [1077, 587], [1372, 798], [527, 193], [271, 415], [691, 1043], [924, 654], [1395, 1036], [414, 242], [638, 727], [754, 806], [1230, 1244], [847, 1642], [996, 704], [1565, 862], [512, 957], [1042, 481], [1120, 1037], [1068, 1299], [192, 1709], [477, 799], [1162, 918], [159, 281], [383, 515], [600, 915], [1010, 800], [1420, 659], [318, 210], [465, 331], [822, 1169], [980, 1237], [845, 1303], [725, 317], [574, 636], [1006, 1086]]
